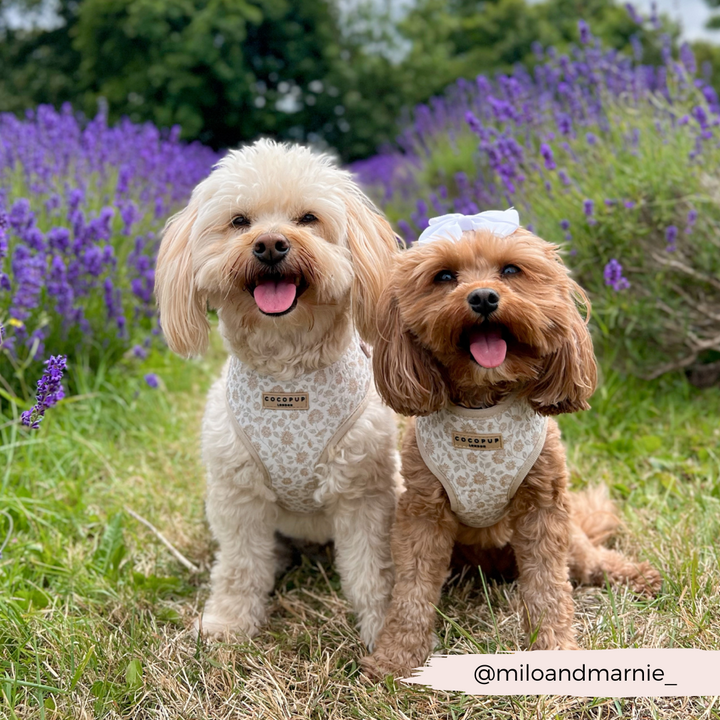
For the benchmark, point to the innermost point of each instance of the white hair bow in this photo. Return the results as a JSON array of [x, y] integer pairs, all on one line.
[[452, 226]]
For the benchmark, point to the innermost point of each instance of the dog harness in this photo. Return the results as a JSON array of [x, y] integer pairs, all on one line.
[[290, 428], [481, 456]]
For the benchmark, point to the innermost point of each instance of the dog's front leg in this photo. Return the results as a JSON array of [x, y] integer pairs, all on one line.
[[362, 556], [243, 574], [422, 542], [541, 538]]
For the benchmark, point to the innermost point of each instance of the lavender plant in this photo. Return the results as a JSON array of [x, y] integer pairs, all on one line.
[[49, 391], [612, 159], [81, 205]]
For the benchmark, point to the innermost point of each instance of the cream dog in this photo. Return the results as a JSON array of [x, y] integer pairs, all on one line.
[[289, 252]]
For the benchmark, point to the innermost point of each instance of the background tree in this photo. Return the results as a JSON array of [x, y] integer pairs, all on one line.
[[230, 70], [463, 38], [714, 22], [223, 69], [37, 65]]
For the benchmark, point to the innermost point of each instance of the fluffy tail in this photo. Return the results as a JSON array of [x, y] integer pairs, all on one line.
[[593, 511], [594, 521]]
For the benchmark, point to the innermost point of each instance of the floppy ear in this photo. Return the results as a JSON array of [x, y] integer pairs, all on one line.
[[406, 374], [569, 376], [372, 244], [182, 308]]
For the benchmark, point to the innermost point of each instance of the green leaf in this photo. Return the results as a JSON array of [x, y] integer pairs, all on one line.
[[111, 549], [134, 674], [81, 668]]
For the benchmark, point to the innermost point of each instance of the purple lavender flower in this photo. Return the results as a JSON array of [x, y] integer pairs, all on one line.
[[420, 216], [92, 259], [123, 182], [27, 269], [633, 13], [52, 203], [629, 204], [584, 31], [58, 238], [671, 233], [589, 210], [74, 199], [62, 247], [565, 224], [690, 221], [129, 214], [49, 391], [687, 58], [4, 280], [666, 48], [654, 16], [21, 217], [710, 96], [614, 277], [152, 380], [547, 154], [406, 232], [139, 352], [473, 122], [698, 112], [564, 124]]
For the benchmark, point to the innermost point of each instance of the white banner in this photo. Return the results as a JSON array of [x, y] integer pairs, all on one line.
[[582, 673]]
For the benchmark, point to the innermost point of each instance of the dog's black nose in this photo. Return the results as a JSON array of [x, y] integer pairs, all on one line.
[[271, 248], [483, 301]]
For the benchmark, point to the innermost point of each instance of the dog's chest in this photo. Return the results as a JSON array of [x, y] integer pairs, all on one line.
[[481, 456], [289, 428]]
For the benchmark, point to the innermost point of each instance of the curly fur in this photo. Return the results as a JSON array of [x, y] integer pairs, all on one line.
[[206, 259], [422, 361]]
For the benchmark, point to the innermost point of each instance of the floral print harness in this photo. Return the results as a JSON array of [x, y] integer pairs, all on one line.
[[481, 456], [290, 428]]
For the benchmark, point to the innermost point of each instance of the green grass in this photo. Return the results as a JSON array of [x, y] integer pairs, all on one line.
[[95, 611]]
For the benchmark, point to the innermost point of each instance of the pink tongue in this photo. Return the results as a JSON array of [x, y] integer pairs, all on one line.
[[488, 348], [274, 296]]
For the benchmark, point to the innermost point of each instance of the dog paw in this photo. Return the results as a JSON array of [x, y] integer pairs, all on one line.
[[214, 627], [568, 645], [552, 641], [647, 580], [377, 668]]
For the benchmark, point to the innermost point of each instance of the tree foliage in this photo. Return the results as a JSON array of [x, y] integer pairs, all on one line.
[[714, 22], [230, 70]]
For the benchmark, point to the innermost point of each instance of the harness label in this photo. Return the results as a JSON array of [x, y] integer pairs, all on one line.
[[282, 401], [469, 441]]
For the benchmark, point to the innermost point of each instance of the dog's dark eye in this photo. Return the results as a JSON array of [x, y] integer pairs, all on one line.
[[307, 219], [445, 276], [240, 221], [510, 270]]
